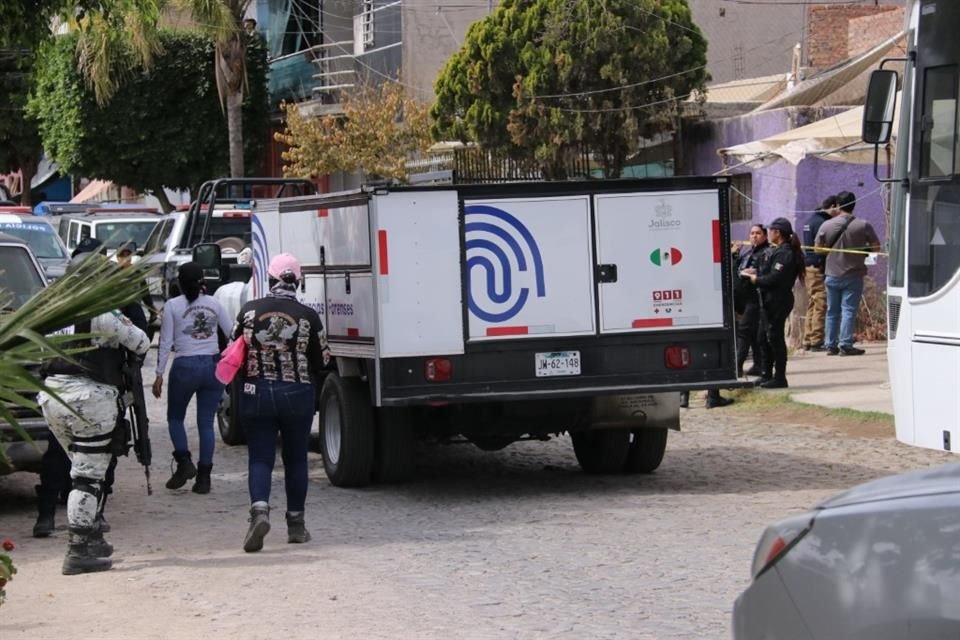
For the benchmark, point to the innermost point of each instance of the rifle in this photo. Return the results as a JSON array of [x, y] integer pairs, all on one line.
[[135, 405]]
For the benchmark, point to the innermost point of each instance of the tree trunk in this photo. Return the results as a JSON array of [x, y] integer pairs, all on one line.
[[28, 169], [161, 195], [235, 132]]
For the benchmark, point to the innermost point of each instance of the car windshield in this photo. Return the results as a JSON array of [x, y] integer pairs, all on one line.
[[158, 237], [116, 234], [19, 278], [39, 235]]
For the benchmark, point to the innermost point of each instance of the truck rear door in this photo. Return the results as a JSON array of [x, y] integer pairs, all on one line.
[[660, 261]]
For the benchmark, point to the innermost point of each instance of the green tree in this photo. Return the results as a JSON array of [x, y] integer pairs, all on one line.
[[163, 127], [542, 79], [20, 146], [222, 21]]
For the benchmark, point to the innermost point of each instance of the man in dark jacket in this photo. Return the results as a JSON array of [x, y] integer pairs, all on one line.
[[815, 264]]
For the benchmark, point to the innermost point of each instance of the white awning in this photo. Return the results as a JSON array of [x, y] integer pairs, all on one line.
[[834, 138]]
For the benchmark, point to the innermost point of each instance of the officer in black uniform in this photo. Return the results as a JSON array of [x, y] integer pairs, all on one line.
[[775, 279]]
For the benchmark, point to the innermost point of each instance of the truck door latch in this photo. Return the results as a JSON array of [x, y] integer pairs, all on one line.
[[347, 282], [606, 273]]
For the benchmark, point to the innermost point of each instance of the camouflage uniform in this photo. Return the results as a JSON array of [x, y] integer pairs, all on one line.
[[97, 404]]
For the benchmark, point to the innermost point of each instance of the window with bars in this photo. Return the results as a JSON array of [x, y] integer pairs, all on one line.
[[367, 24], [741, 197]]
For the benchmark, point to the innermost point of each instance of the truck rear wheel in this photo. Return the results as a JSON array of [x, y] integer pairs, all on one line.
[[602, 451], [646, 450], [346, 431], [228, 417], [396, 444]]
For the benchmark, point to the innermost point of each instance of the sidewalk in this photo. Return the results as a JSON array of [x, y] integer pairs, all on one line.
[[842, 382]]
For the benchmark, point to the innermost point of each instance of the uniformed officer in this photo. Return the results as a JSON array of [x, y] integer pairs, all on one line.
[[90, 386]]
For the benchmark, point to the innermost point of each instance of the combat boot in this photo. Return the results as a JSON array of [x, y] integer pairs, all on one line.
[[296, 529], [259, 527], [79, 558], [46, 509], [98, 546], [202, 484], [184, 471]]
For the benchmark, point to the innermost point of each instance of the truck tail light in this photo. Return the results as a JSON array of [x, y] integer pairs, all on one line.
[[437, 369], [676, 356]]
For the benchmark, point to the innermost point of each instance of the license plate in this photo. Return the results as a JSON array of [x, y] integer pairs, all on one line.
[[558, 363]]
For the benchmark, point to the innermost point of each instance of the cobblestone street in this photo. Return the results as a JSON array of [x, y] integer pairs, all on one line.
[[514, 544]]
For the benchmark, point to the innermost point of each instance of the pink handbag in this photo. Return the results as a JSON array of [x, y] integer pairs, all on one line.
[[232, 358]]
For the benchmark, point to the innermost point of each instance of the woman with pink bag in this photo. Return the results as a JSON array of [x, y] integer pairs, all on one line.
[[286, 354]]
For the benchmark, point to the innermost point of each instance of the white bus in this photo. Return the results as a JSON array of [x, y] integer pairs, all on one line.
[[924, 232]]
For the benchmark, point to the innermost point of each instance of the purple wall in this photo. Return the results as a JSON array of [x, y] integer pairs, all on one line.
[[783, 189]]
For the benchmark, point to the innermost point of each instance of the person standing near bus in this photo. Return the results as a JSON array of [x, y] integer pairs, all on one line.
[[778, 272], [844, 273], [815, 263]]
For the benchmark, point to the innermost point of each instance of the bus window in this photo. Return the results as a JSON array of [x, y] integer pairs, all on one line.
[[939, 122]]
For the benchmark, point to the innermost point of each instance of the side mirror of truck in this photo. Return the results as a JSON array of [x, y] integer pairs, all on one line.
[[878, 110], [207, 255]]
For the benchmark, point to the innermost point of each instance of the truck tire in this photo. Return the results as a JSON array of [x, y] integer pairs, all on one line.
[[601, 451], [228, 421], [396, 444], [346, 431], [646, 450]]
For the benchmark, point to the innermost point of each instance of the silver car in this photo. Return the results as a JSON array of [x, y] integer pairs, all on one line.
[[878, 562]]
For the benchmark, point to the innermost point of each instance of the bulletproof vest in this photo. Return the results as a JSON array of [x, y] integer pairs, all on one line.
[[101, 364]]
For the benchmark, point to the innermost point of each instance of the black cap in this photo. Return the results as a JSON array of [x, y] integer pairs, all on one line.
[[88, 245], [127, 247], [782, 225], [190, 272]]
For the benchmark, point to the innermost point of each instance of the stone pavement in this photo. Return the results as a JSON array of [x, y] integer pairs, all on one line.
[[842, 382]]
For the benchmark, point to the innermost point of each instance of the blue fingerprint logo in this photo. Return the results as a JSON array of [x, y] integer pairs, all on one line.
[[504, 249]]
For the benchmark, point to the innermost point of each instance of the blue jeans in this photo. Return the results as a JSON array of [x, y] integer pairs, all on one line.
[[287, 408], [191, 375], [843, 301]]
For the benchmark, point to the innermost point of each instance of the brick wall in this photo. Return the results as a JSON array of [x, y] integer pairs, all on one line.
[[830, 28], [867, 32]]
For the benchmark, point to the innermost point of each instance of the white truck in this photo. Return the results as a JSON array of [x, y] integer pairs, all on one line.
[[497, 313]]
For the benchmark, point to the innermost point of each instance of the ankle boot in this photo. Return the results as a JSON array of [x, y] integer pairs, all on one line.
[[296, 529], [46, 508], [79, 559], [259, 527], [184, 471], [202, 484], [97, 545]]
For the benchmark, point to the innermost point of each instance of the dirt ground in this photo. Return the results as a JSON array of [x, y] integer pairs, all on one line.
[[512, 544]]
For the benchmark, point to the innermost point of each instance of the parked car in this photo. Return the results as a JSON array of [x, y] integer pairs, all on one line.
[[46, 245], [113, 227], [878, 562], [21, 277]]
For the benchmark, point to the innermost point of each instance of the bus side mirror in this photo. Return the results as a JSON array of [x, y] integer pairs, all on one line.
[[878, 110]]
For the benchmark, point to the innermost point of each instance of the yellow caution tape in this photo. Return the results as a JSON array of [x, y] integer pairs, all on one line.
[[824, 250]]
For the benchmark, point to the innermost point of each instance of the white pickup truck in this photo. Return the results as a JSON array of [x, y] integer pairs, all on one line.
[[497, 313]]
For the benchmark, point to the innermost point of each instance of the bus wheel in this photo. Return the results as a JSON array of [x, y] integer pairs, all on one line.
[[396, 444], [646, 450], [601, 451], [346, 431], [228, 419]]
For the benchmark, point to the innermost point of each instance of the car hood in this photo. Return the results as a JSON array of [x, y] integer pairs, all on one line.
[[925, 482], [53, 267]]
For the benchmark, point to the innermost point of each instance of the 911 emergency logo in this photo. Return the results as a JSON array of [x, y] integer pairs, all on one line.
[[504, 264]]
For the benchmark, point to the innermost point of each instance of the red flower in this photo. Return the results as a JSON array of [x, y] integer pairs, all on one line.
[[8, 545]]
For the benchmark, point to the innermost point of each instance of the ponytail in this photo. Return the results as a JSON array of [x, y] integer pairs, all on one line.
[[190, 279], [191, 290], [798, 257]]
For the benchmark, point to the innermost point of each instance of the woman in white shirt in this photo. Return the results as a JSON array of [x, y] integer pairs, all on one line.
[[189, 327]]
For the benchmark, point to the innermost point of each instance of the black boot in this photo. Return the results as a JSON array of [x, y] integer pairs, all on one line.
[[184, 471], [296, 529], [79, 559], [202, 484], [98, 546], [46, 509], [259, 527], [775, 383]]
